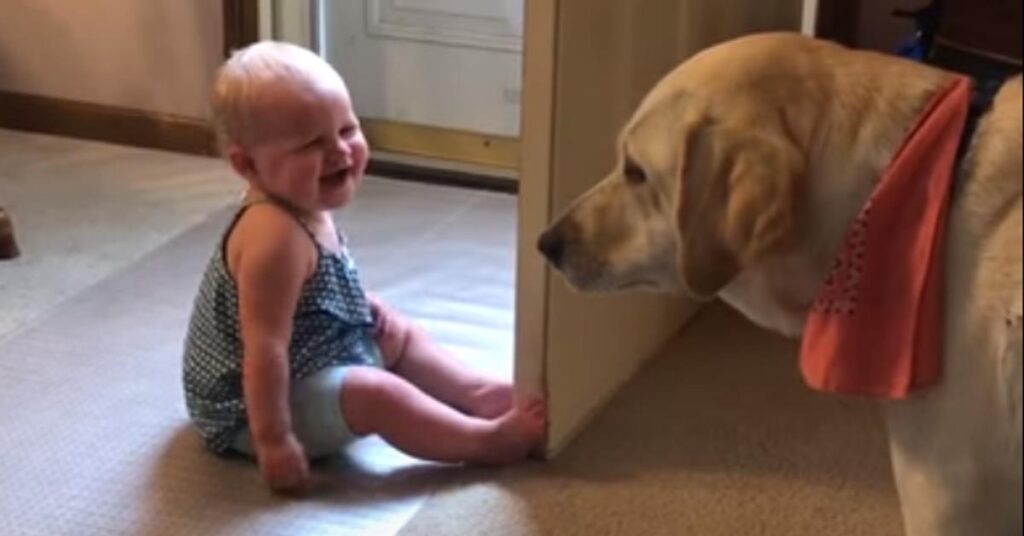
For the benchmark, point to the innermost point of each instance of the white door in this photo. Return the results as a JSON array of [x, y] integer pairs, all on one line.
[[454, 64], [809, 17]]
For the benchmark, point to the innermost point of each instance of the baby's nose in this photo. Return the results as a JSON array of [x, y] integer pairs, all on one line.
[[340, 153]]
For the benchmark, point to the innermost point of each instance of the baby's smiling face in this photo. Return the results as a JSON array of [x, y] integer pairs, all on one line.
[[306, 147]]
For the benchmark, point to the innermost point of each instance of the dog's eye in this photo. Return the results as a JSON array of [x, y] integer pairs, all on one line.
[[634, 174]]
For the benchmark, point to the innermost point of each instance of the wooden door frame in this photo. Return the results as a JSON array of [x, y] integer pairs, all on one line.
[[838, 20], [241, 24]]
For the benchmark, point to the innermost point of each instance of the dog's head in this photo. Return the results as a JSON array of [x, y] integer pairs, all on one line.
[[701, 188]]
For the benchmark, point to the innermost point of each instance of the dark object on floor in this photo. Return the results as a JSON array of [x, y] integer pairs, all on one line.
[[8, 245]]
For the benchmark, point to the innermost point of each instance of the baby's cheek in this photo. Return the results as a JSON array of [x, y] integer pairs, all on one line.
[[360, 153], [307, 173]]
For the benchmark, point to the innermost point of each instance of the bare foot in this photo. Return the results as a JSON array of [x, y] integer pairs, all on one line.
[[492, 400], [515, 433]]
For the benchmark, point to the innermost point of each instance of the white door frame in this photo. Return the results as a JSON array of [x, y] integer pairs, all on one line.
[[809, 18], [293, 21]]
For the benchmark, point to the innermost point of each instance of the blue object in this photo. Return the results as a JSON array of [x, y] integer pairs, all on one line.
[[926, 21]]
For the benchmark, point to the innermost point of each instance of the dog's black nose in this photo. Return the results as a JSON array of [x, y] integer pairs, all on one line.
[[552, 246]]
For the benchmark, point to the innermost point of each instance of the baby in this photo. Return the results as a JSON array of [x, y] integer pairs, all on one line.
[[286, 357]]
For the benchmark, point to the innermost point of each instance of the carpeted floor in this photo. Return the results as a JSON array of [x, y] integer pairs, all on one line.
[[94, 435], [95, 438], [717, 436], [96, 441], [85, 209]]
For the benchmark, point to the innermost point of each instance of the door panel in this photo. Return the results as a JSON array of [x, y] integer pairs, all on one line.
[[588, 64], [452, 64], [491, 25]]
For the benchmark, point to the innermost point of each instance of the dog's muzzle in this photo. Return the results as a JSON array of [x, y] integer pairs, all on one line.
[[552, 245]]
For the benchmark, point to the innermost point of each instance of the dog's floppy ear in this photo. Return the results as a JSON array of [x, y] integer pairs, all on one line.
[[736, 202]]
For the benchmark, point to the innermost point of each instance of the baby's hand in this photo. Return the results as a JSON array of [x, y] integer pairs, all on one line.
[[284, 466], [390, 329], [385, 318]]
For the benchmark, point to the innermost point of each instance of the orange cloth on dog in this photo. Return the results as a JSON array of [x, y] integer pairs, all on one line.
[[876, 326]]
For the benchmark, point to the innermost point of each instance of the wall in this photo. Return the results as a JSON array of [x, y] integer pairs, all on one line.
[[151, 55]]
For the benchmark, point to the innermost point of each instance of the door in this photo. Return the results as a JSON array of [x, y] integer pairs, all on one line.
[[587, 65], [434, 78], [809, 17]]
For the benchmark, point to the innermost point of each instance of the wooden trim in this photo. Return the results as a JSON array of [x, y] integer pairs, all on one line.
[[241, 24], [113, 124], [442, 143], [392, 169], [1008, 62], [990, 29]]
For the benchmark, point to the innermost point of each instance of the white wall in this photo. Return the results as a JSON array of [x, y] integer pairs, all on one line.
[[152, 55]]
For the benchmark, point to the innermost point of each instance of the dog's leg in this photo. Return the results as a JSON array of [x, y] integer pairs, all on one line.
[[956, 448], [956, 451]]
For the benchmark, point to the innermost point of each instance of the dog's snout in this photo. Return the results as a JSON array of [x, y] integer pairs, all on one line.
[[552, 245]]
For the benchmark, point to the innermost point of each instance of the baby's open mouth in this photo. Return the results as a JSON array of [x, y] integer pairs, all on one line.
[[336, 177]]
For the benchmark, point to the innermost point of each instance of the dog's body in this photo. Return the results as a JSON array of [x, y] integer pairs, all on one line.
[[739, 176]]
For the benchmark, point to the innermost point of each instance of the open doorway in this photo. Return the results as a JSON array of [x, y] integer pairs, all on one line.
[[440, 249], [436, 84]]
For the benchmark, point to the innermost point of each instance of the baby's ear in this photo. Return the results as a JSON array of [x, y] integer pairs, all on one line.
[[240, 161]]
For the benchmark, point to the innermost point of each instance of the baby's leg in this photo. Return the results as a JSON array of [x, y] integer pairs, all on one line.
[[375, 401], [410, 352]]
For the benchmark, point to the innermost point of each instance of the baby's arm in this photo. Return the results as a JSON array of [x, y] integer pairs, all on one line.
[[270, 261]]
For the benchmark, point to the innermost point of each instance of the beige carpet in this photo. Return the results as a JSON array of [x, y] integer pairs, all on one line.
[[95, 438], [716, 437], [85, 209]]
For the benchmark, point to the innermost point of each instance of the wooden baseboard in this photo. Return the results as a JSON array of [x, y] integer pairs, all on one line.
[[399, 170], [442, 143], [113, 124]]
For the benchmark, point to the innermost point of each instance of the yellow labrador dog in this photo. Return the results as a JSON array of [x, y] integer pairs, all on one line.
[[738, 177]]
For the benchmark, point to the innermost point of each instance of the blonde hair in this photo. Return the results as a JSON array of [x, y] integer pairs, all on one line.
[[253, 68]]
